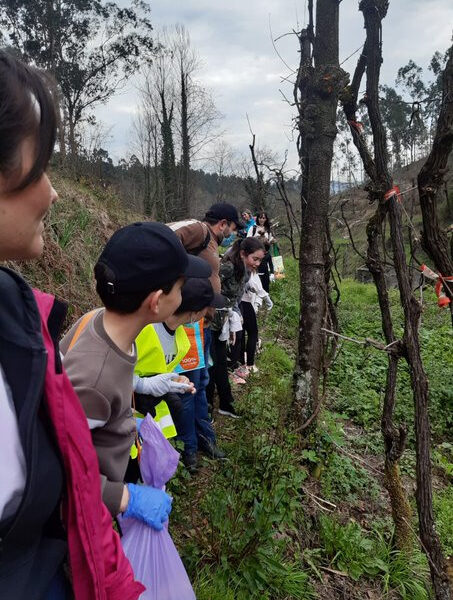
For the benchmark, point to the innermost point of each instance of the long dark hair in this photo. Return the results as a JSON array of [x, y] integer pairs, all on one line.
[[267, 223], [26, 110], [248, 245]]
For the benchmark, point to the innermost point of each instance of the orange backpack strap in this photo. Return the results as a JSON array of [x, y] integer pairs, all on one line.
[[83, 323]]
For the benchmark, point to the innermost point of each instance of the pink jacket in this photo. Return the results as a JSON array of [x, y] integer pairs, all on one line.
[[100, 570]]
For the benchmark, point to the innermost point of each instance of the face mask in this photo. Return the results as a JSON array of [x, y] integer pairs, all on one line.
[[228, 240]]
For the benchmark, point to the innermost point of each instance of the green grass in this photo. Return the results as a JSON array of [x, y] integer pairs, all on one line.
[[357, 378], [249, 534], [443, 511]]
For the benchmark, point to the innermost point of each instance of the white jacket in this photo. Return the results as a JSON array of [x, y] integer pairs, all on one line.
[[233, 324], [255, 293]]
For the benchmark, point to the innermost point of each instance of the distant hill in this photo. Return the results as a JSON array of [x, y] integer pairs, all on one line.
[[357, 211]]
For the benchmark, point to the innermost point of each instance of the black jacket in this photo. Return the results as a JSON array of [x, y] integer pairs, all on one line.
[[32, 545]]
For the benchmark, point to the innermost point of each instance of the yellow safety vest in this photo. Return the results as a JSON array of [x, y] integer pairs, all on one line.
[[151, 361], [163, 419], [150, 355]]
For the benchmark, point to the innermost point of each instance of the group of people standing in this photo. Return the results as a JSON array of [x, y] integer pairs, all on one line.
[[176, 323]]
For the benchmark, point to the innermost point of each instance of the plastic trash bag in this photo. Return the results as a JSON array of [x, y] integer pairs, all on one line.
[[152, 554]]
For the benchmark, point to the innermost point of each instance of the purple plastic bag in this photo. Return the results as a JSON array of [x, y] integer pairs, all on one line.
[[152, 554]]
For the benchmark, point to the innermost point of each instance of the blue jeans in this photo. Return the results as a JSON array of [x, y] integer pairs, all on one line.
[[196, 430]]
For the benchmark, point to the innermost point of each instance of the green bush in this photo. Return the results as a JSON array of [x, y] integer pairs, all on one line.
[[346, 481], [350, 550], [357, 377], [359, 554]]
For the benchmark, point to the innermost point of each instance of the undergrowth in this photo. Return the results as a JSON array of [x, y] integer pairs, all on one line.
[[279, 520]]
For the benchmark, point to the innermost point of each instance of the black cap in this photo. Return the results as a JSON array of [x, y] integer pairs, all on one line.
[[145, 256], [198, 294], [222, 210]]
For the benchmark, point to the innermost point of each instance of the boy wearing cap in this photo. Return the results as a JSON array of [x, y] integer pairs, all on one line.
[[162, 346], [139, 276]]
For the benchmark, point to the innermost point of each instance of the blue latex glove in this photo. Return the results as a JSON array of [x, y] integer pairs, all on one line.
[[138, 423], [148, 504]]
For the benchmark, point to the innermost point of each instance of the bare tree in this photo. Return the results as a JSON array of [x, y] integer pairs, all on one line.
[[197, 113], [222, 161], [158, 102], [186, 117], [278, 179], [382, 190], [146, 134], [319, 81]]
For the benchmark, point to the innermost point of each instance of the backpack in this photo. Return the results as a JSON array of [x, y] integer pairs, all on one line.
[[178, 224]]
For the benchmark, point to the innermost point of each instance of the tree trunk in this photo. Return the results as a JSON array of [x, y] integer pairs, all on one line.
[[72, 139], [168, 167], [316, 94], [374, 11], [185, 157], [394, 438]]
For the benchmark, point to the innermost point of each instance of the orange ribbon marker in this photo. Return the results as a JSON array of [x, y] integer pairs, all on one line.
[[442, 298], [394, 191]]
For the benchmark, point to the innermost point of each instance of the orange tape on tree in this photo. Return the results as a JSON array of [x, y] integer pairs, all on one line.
[[394, 191]]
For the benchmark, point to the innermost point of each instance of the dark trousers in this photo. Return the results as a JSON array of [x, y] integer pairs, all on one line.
[[250, 335], [235, 351], [144, 404], [197, 431], [265, 270], [218, 374]]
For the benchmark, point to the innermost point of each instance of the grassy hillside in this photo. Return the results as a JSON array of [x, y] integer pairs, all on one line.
[[78, 226], [280, 520]]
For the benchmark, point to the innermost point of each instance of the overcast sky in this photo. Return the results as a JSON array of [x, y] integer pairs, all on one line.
[[243, 71]]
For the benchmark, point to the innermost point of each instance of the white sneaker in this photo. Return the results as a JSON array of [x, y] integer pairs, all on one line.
[[253, 369]]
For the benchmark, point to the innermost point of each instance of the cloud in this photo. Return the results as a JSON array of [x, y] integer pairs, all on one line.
[[245, 74]]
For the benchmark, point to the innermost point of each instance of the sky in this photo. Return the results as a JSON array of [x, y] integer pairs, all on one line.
[[244, 72]]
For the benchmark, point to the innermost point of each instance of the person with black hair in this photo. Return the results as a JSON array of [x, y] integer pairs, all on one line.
[[203, 238], [139, 276], [161, 349], [52, 519], [262, 230], [234, 274]]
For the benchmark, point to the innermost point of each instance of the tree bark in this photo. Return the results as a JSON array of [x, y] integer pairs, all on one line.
[[185, 157], [168, 167], [316, 94]]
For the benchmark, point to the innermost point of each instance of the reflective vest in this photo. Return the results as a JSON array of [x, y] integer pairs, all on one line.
[[150, 355], [164, 420], [194, 359]]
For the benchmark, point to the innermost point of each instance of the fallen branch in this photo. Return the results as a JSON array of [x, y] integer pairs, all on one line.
[[355, 457], [314, 497], [389, 348]]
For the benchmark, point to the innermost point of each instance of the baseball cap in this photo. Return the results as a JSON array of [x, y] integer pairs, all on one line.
[[198, 294], [144, 256], [223, 210]]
